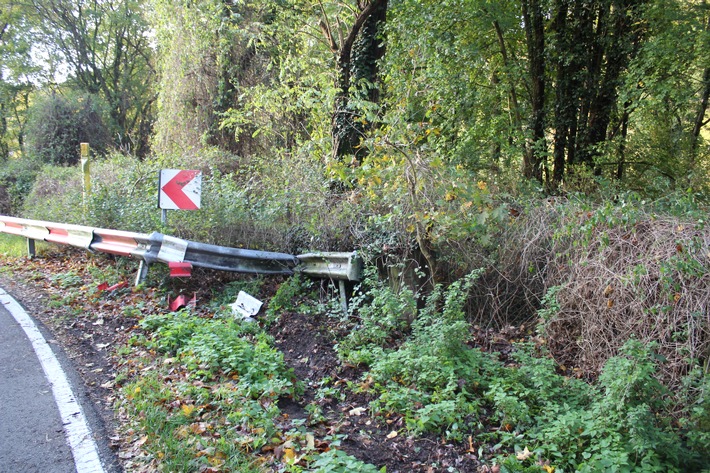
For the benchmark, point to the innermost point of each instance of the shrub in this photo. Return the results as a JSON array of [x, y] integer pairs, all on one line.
[[17, 177], [56, 196], [57, 124]]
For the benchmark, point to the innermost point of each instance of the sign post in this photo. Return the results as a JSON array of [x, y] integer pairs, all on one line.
[[179, 190], [85, 170]]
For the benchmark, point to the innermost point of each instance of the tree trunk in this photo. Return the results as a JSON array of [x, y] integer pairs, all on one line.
[[533, 159], [358, 56]]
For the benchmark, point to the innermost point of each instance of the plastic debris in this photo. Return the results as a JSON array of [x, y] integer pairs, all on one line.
[[247, 306]]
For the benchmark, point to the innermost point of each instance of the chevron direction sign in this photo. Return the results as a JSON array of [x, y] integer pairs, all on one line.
[[180, 189]]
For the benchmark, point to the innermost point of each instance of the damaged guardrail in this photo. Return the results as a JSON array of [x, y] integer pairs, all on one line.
[[156, 247]]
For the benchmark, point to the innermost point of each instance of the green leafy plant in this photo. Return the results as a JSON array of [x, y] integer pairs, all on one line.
[[337, 461], [68, 279]]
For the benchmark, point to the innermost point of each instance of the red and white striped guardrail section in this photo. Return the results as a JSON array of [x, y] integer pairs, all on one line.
[[157, 247]]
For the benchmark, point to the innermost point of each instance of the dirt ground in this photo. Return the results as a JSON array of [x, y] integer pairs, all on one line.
[[89, 329]]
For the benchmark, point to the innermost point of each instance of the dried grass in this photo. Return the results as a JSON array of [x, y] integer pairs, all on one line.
[[649, 281], [509, 292]]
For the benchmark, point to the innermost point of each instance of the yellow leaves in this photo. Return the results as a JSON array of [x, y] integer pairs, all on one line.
[[217, 459], [548, 468], [289, 455], [187, 409], [365, 385], [482, 185], [523, 454]]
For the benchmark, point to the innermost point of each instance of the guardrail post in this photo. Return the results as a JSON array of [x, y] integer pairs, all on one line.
[[343, 297], [31, 251], [142, 273]]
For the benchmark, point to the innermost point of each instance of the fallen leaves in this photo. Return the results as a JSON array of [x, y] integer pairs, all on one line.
[[523, 454], [357, 411]]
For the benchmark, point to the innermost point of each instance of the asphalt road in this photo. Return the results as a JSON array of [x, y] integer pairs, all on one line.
[[43, 428]]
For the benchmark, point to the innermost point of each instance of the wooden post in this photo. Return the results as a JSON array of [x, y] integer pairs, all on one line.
[[85, 170]]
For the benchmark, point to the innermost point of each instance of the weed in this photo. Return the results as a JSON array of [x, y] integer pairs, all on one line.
[[228, 294], [288, 294], [337, 461], [433, 375], [67, 280], [13, 246], [620, 426]]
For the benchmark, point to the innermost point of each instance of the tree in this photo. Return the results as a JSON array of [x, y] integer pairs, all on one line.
[[58, 124], [106, 44], [535, 38], [358, 54], [17, 74]]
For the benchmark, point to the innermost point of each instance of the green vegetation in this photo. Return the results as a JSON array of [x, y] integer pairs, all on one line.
[[13, 246], [535, 169], [626, 420]]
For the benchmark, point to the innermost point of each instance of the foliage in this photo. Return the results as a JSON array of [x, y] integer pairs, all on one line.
[[623, 424], [106, 48], [431, 377], [337, 461], [215, 346], [57, 125], [20, 73], [288, 294], [17, 177], [55, 196], [428, 374]]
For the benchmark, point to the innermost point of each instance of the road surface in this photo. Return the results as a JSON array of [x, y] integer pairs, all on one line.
[[43, 426]]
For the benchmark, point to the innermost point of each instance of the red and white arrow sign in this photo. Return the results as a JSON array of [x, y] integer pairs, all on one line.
[[180, 189]]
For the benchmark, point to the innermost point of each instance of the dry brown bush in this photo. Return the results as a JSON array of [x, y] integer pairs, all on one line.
[[649, 281], [509, 292]]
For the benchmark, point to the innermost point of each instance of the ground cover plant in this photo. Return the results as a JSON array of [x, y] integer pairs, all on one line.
[[392, 385], [528, 182]]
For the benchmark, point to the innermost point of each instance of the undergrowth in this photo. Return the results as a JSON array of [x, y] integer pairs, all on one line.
[[208, 400], [429, 373]]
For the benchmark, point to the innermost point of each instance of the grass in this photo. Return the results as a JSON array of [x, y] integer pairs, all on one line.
[[16, 246]]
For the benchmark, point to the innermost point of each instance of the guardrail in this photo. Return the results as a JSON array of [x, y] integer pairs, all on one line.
[[156, 247]]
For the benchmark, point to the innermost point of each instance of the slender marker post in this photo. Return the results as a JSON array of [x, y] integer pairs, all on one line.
[[85, 170]]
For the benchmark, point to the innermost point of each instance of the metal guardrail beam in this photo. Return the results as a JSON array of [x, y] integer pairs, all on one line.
[[157, 247], [331, 265]]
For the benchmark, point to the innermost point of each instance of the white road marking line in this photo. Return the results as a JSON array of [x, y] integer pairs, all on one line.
[[76, 428]]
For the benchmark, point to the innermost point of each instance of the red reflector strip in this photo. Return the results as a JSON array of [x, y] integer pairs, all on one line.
[[178, 270]]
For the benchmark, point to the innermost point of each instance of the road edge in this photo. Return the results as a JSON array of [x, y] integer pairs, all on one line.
[[76, 427]]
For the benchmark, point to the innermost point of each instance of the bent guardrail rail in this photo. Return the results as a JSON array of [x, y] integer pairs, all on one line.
[[156, 247], [331, 265]]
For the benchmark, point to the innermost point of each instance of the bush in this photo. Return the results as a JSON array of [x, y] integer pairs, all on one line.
[[622, 424], [56, 196], [57, 124], [17, 177]]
